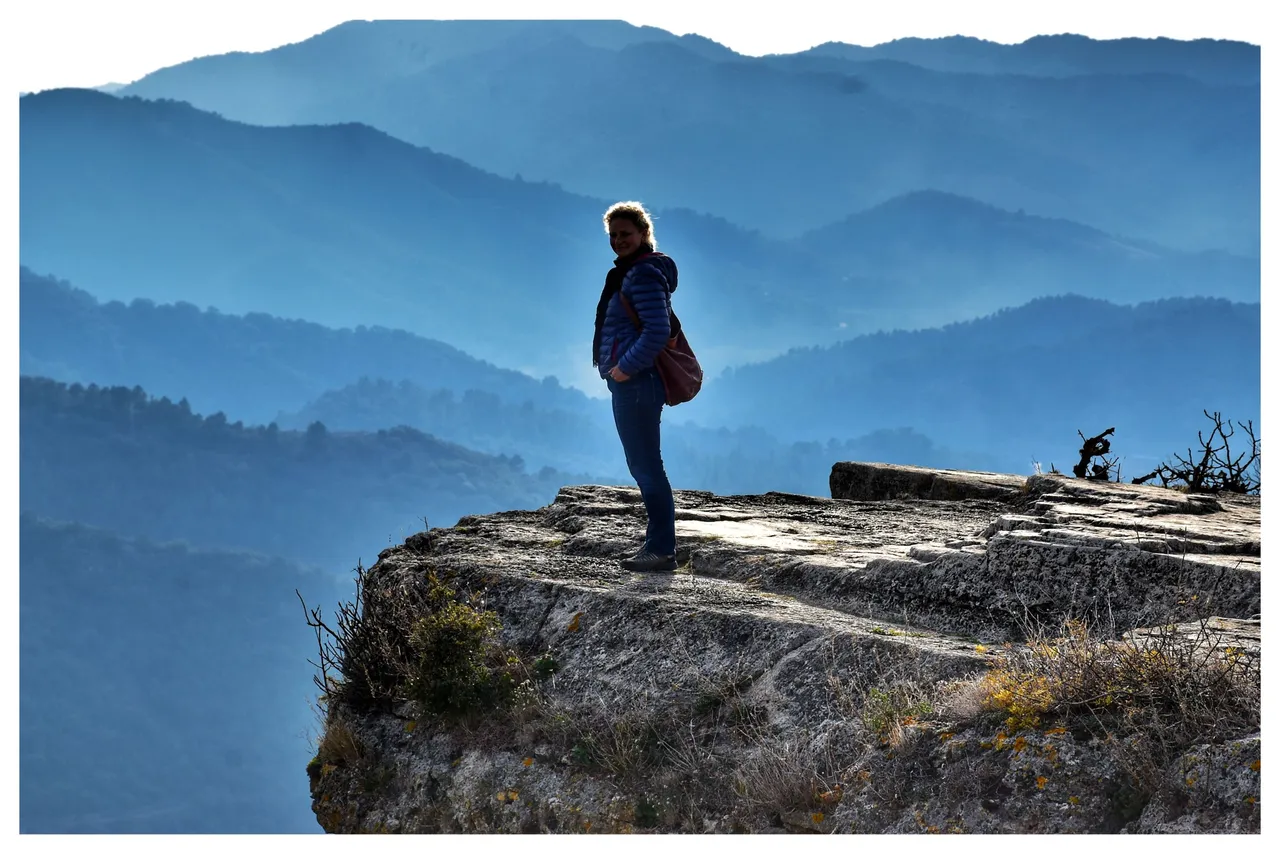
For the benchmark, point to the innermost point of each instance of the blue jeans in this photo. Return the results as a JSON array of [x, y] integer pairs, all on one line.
[[637, 412]]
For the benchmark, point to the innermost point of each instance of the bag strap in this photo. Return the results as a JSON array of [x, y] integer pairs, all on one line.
[[631, 311], [675, 321], [675, 325]]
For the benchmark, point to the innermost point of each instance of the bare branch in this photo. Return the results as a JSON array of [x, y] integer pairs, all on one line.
[[1098, 446], [1217, 469]]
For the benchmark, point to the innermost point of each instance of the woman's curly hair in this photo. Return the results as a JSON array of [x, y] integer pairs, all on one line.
[[635, 213]]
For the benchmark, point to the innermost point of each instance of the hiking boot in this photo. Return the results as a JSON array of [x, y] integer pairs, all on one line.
[[647, 561]]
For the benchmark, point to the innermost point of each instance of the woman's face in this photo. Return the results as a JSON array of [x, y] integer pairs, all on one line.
[[624, 237]]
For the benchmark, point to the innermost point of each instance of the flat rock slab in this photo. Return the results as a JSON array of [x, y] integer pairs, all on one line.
[[1027, 554], [553, 575], [878, 481]]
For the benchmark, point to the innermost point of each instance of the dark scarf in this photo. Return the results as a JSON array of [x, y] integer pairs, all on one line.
[[613, 284]]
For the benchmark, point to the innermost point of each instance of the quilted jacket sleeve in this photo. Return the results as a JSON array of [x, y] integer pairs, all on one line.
[[647, 290]]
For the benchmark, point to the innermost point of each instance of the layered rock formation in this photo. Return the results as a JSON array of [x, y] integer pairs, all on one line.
[[810, 667]]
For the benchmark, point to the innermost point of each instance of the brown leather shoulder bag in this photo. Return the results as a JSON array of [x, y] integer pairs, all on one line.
[[677, 366]]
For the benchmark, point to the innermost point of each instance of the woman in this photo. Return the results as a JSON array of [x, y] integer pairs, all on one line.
[[624, 350]]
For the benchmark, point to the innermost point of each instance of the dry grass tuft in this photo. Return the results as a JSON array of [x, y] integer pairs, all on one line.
[[339, 746], [1150, 694], [782, 777]]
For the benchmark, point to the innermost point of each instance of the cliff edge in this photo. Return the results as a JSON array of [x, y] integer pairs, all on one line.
[[926, 651]]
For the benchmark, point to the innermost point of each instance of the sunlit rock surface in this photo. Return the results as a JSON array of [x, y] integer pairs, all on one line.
[[748, 669]]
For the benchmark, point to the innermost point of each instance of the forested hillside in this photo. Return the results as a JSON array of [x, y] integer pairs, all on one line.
[[164, 688], [119, 459], [1020, 383], [249, 366]]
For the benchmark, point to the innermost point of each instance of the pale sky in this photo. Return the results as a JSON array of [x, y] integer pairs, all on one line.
[[78, 43]]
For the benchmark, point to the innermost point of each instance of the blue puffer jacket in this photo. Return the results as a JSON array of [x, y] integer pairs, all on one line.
[[648, 286]]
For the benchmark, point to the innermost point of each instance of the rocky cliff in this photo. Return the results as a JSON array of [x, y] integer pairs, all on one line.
[[926, 651]]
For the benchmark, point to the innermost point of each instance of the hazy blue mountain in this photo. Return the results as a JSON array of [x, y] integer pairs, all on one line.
[[965, 258], [1161, 156], [249, 362], [750, 461], [1140, 146], [250, 367], [347, 226], [356, 56], [1018, 384], [240, 365], [744, 459], [483, 421], [162, 689], [259, 368], [117, 459], [1209, 60]]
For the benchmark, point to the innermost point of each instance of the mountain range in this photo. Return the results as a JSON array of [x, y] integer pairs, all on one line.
[[1109, 136], [1215, 61], [1019, 383], [250, 367], [1027, 372], [346, 226]]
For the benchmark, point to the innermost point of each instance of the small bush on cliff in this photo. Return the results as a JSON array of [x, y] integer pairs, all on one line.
[[414, 637], [459, 667]]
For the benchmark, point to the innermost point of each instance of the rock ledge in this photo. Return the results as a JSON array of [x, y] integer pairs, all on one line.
[[786, 611]]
